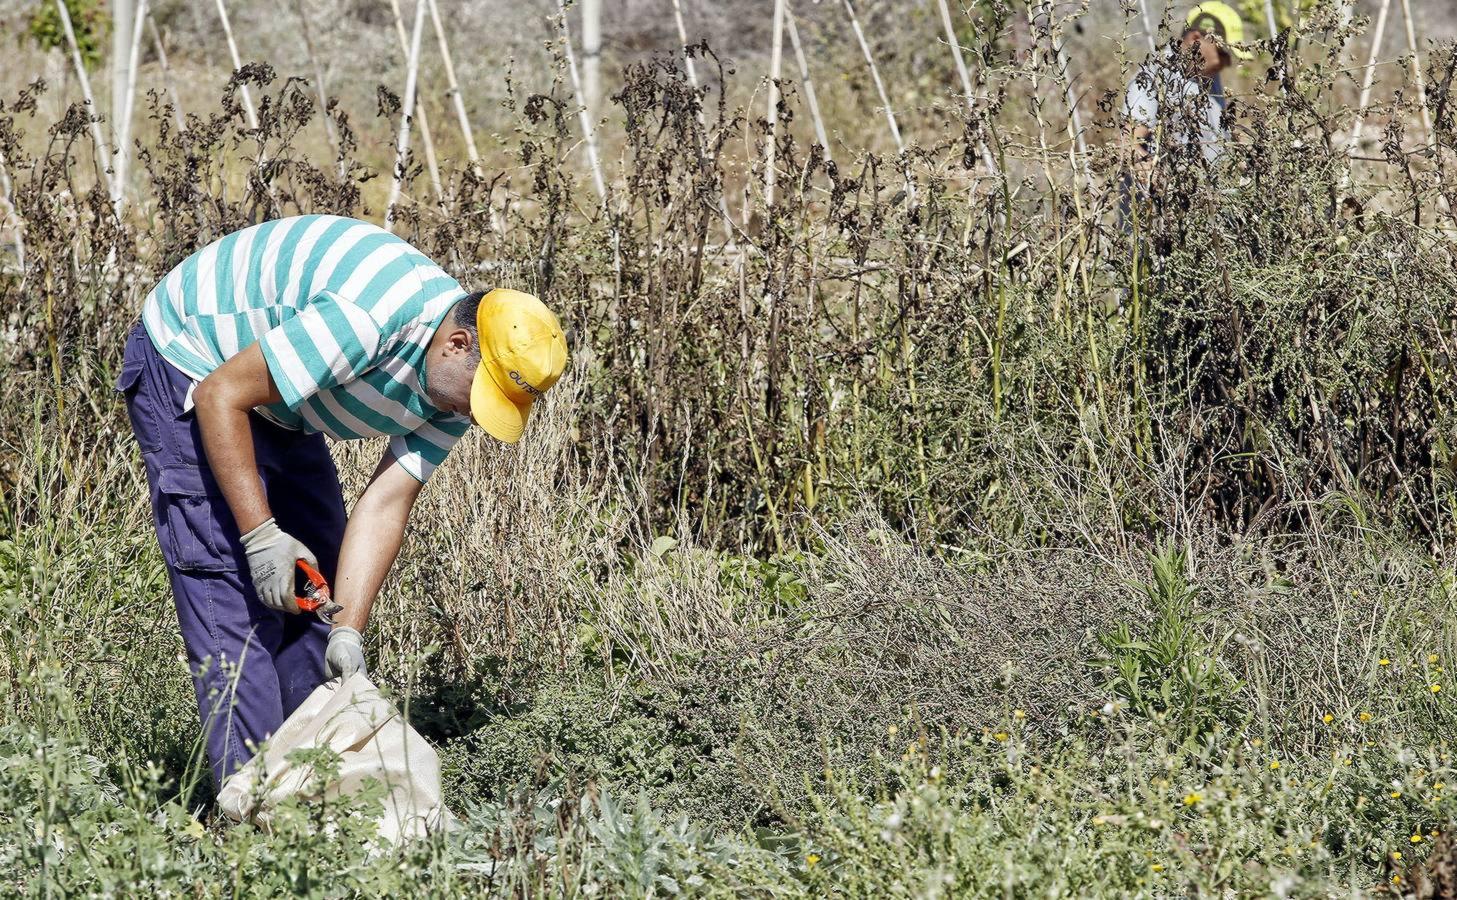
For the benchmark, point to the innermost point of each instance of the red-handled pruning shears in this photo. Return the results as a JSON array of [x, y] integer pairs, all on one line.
[[317, 598]]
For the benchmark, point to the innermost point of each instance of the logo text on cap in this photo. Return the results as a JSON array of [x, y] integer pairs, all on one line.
[[527, 386]]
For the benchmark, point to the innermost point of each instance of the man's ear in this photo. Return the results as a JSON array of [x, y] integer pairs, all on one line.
[[459, 341]]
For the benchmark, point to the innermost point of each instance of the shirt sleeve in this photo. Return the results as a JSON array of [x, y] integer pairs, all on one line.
[[330, 342], [420, 451]]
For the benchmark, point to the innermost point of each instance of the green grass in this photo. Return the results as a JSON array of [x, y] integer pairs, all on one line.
[[785, 758]]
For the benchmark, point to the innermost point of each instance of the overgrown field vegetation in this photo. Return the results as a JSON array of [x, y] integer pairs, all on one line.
[[922, 532]]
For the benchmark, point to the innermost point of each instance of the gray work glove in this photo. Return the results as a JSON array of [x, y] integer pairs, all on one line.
[[345, 653], [272, 556]]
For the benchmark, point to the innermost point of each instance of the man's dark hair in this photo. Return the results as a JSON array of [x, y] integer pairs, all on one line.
[[464, 316]]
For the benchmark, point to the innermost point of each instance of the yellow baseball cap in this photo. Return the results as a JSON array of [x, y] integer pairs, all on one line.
[[1223, 22], [523, 353]]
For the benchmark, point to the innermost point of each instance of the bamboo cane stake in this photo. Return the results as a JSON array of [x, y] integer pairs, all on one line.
[[167, 75], [1270, 19], [956, 56], [1376, 35], [402, 142], [9, 208], [319, 86], [683, 39], [961, 70], [237, 65], [1147, 26], [1416, 70], [776, 58], [96, 136], [455, 94], [895, 131], [809, 86], [590, 138], [124, 127], [457, 98], [592, 53], [427, 139], [582, 115], [123, 13]]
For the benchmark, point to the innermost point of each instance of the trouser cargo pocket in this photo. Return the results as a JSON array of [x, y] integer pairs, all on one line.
[[193, 521]]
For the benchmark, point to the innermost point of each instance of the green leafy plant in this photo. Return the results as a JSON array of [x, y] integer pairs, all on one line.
[[1169, 670], [89, 20]]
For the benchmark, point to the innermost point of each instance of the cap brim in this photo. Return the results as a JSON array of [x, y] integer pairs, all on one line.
[[501, 417]]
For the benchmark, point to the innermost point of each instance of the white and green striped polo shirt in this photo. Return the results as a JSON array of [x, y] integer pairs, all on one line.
[[344, 312]]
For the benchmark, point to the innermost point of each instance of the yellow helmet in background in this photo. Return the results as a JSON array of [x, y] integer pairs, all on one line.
[[1222, 21]]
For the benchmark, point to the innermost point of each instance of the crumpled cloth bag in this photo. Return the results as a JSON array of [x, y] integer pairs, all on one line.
[[372, 739]]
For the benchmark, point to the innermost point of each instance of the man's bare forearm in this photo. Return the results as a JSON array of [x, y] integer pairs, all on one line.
[[222, 402], [372, 541], [227, 438]]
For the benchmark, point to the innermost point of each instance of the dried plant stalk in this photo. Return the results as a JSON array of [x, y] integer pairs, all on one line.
[[178, 118], [248, 107], [94, 123]]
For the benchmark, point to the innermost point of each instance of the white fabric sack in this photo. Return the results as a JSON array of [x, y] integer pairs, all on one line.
[[372, 739]]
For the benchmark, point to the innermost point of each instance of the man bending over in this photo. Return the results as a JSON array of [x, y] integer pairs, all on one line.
[[247, 354]]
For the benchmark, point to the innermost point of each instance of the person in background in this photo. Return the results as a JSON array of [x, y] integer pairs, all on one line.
[[1175, 104], [1177, 98]]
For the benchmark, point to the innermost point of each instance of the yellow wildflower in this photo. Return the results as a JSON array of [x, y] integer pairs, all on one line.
[[1156, 867], [1192, 798], [1327, 718], [1018, 714], [1364, 717], [1416, 839], [1000, 735], [1383, 662], [1431, 657], [1436, 688], [1396, 854], [1274, 764], [811, 859], [1395, 794]]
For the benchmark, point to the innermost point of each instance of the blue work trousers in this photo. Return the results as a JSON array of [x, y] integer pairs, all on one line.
[[251, 666]]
